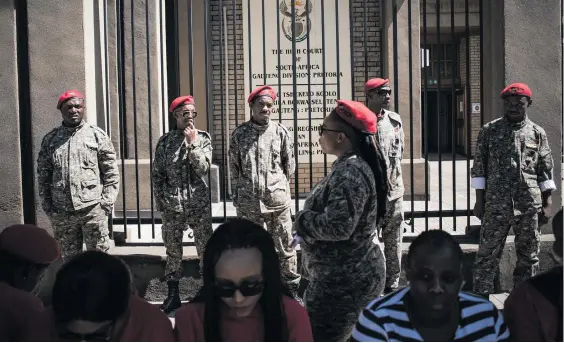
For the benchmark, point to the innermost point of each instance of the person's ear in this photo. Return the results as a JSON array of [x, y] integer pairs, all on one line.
[[530, 102]]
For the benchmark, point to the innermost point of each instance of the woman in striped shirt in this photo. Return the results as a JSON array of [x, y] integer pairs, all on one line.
[[432, 307]]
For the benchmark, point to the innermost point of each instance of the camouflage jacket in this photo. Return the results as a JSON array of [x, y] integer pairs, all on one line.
[[513, 163], [338, 222], [261, 159], [391, 139], [180, 172], [77, 168]]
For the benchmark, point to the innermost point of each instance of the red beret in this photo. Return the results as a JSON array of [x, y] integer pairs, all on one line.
[[357, 115], [517, 89], [73, 93], [375, 83], [29, 243], [260, 91], [181, 100]]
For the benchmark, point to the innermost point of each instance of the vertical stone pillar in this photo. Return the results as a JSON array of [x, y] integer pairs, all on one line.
[[11, 211], [56, 63], [533, 54]]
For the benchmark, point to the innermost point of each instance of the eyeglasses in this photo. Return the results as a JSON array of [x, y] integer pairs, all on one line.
[[384, 92], [321, 129], [187, 114], [247, 289]]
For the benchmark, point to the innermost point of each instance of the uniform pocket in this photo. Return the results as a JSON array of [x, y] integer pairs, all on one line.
[[90, 190]]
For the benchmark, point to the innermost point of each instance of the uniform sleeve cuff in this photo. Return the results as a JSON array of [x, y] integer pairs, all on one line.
[[478, 182], [547, 185]]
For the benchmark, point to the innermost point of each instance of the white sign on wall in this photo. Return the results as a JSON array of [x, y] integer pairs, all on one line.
[[322, 66]]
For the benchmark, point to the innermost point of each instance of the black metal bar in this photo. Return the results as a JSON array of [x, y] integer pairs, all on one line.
[[439, 69], [279, 63], [395, 53], [337, 49], [324, 75], [410, 73], [264, 45], [235, 75], [176, 45], [222, 31], [454, 63], [190, 47], [150, 110], [250, 40], [107, 97], [164, 110], [134, 96], [25, 115], [468, 109], [351, 40], [295, 104], [309, 96], [208, 84], [482, 61], [121, 103], [426, 57], [218, 220], [365, 36]]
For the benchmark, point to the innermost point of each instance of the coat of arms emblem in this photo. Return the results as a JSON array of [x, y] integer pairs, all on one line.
[[302, 25]]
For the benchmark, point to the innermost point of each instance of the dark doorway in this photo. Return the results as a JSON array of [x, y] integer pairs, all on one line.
[[439, 125]]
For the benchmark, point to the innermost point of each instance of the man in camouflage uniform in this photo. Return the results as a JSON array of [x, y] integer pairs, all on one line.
[[391, 139], [78, 179], [512, 175], [261, 159], [180, 171]]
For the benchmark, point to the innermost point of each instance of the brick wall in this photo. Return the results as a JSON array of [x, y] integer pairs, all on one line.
[[474, 56], [236, 112]]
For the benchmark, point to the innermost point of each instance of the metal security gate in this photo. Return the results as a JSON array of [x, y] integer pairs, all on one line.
[[320, 51]]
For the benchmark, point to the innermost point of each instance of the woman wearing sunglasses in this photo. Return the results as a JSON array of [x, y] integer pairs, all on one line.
[[243, 297], [337, 226], [93, 301]]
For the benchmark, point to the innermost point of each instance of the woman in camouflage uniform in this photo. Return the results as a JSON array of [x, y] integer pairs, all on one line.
[[336, 229]]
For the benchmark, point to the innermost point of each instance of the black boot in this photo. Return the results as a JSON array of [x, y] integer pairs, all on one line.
[[172, 301]]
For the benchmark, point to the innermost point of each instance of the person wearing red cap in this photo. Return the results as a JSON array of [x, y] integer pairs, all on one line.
[[78, 179], [512, 175], [93, 301], [180, 171], [337, 227], [391, 140], [261, 159], [25, 252]]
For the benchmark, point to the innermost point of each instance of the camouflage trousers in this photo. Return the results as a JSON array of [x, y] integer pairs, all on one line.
[[88, 226], [392, 235], [334, 302], [279, 225], [174, 225], [494, 231]]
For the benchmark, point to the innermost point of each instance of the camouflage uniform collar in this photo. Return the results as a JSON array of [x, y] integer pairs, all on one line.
[[74, 128], [344, 157], [260, 127], [518, 125]]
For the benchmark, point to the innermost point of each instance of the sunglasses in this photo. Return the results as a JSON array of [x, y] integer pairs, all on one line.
[[322, 129], [384, 92], [187, 114], [247, 289]]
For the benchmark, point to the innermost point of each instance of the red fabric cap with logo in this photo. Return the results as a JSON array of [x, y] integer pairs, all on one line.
[[181, 100], [375, 83], [517, 89], [357, 115], [73, 93], [30, 243], [262, 91]]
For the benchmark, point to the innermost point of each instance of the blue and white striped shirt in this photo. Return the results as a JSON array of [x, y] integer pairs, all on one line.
[[385, 320]]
